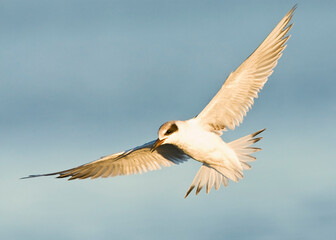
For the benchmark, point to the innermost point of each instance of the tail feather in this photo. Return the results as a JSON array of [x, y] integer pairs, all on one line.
[[245, 166], [242, 147], [209, 177], [213, 176]]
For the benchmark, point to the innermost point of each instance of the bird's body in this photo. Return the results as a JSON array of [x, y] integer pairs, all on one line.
[[202, 145], [199, 138]]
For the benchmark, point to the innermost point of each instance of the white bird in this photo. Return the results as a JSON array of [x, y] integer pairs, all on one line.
[[199, 138]]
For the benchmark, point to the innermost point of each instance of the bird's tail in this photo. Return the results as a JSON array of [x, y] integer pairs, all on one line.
[[213, 175]]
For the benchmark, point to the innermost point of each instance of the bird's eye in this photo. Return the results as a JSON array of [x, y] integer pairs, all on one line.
[[169, 132], [173, 128]]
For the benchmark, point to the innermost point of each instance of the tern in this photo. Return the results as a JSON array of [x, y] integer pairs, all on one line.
[[199, 138]]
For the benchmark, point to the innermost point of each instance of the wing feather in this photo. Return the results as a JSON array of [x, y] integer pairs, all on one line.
[[133, 161], [230, 105]]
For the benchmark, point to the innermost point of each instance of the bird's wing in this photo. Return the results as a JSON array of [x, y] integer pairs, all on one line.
[[136, 160], [235, 98]]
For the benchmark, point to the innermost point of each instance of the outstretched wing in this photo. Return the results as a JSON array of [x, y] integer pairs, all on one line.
[[136, 160], [229, 106]]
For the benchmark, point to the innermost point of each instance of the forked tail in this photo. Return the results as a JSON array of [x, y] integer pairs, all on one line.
[[213, 175]]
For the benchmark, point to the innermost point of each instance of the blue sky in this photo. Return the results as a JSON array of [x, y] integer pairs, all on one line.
[[83, 79]]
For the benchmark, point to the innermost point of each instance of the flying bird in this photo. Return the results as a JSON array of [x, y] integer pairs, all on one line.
[[199, 138]]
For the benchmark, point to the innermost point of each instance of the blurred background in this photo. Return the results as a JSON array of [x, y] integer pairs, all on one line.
[[83, 79]]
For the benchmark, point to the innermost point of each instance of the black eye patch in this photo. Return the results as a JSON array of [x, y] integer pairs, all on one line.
[[173, 128]]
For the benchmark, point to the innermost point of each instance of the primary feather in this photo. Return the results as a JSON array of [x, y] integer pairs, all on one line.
[[229, 106], [136, 160]]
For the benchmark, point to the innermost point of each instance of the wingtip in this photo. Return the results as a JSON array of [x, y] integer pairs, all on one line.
[[295, 7], [39, 175], [31, 176], [291, 12]]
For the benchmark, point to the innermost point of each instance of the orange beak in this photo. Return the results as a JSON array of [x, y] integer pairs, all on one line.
[[157, 144]]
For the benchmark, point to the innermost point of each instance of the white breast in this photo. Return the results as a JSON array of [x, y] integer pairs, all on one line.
[[202, 145]]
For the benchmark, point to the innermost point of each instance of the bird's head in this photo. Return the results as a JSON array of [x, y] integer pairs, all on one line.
[[166, 133]]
